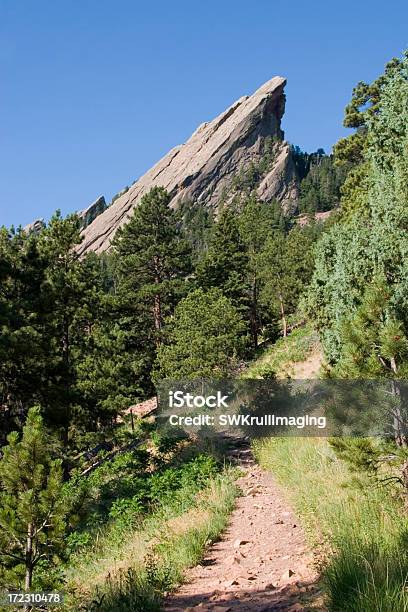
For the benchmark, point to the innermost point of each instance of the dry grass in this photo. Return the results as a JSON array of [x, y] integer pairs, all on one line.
[[361, 528], [286, 355], [134, 575]]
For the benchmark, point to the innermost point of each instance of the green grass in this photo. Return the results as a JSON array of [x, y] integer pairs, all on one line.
[[279, 357], [129, 569], [361, 531]]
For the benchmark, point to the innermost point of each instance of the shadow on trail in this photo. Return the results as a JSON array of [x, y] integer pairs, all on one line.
[[300, 596]]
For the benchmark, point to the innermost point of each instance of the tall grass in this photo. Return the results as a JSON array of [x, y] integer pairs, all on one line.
[[360, 528], [133, 574], [283, 354]]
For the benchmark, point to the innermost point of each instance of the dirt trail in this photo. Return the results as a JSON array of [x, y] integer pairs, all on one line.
[[262, 561], [309, 368]]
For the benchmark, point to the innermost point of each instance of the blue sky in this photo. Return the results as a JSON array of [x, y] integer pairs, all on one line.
[[93, 92]]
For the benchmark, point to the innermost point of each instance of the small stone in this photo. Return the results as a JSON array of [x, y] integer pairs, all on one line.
[[233, 560], [230, 583], [253, 490], [270, 586], [287, 574], [239, 543]]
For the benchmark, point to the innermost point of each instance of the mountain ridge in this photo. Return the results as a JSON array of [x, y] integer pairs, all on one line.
[[207, 168]]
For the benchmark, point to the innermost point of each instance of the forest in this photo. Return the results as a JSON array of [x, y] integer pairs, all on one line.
[[192, 293]]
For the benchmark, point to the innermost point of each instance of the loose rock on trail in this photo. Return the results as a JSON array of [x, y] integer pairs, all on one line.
[[262, 561]]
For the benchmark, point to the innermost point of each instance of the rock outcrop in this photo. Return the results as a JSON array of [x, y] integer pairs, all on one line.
[[35, 227], [86, 216], [89, 214], [241, 149]]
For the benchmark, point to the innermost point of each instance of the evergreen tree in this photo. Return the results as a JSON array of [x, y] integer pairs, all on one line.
[[374, 343], [361, 248], [256, 223], [351, 152], [72, 305], [287, 265], [204, 337], [32, 506], [153, 261], [49, 305], [23, 345], [115, 371], [226, 261], [320, 189], [198, 221]]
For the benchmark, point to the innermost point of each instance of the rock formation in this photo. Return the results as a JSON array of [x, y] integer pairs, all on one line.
[[35, 227], [86, 216], [242, 149], [89, 214]]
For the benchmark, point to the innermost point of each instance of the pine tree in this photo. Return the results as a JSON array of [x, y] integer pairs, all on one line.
[[23, 345], [32, 507], [358, 295], [153, 261], [49, 305], [320, 189], [204, 338], [256, 224], [197, 224], [287, 265], [72, 305], [351, 152], [115, 371], [374, 343], [365, 247], [225, 265]]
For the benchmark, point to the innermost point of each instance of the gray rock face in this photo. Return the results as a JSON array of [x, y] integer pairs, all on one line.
[[216, 162], [35, 227], [86, 216], [89, 214]]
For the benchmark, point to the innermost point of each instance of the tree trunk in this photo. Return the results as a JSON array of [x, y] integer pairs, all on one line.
[[66, 359], [29, 558], [157, 316], [254, 313], [400, 435], [404, 475], [65, 341], [157, 303], [283, 316]]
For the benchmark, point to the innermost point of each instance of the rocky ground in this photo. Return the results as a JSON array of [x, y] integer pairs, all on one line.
[[262, 562]]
